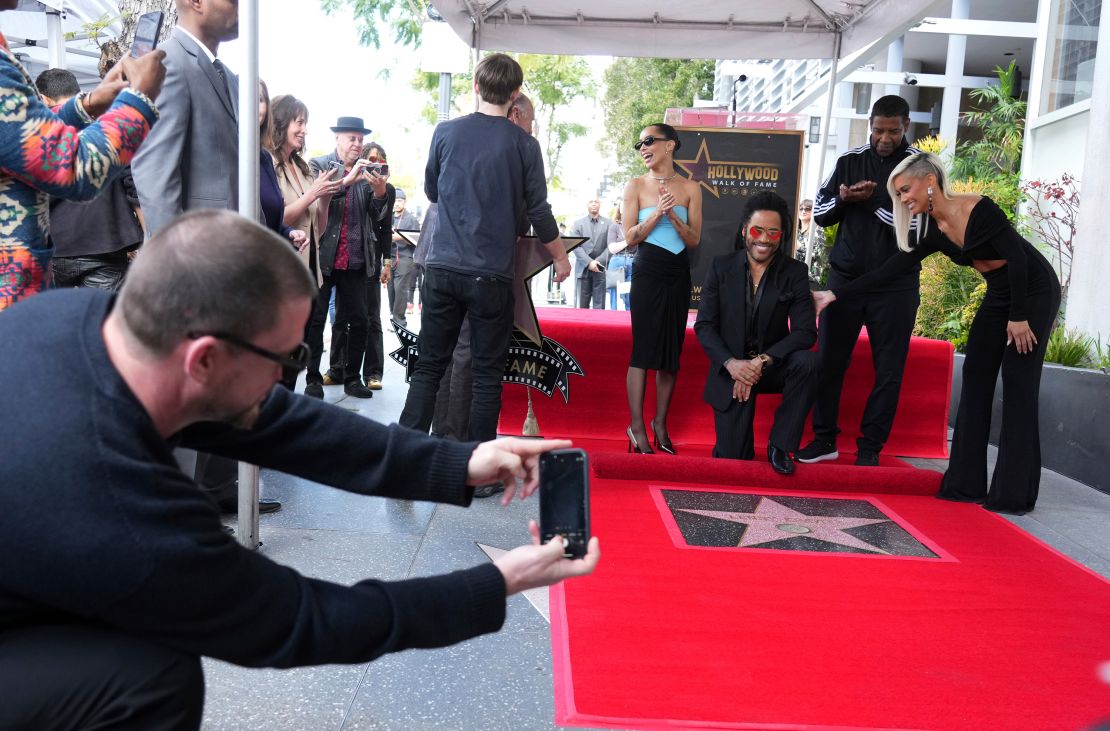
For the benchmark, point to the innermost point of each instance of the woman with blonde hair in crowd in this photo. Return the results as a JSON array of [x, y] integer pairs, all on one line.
[[661, 212], [620, 260], [306, 205], [1010, 331]]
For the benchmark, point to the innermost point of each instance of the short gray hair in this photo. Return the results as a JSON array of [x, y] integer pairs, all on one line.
[[210, 271]]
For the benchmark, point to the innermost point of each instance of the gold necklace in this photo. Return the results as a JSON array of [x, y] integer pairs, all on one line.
[[663, 180]]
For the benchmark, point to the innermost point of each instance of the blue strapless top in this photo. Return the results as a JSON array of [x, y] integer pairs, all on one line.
[[664, 234]]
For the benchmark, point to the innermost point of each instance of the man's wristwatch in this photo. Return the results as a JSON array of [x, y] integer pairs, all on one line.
[[764, 359]]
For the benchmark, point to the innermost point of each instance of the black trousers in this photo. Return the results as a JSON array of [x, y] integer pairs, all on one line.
[[487, 304], [62, 677], [591, 288], [451, 418], [373, 365], [350, 319], [1017, 471], [796, 379], [105, 271], [889, 317]]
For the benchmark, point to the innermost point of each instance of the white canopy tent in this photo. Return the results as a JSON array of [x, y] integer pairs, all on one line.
[[716, 29], [55, 34]]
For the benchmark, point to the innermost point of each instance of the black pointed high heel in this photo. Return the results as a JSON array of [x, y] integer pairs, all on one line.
[[662, 446], [634, 446]]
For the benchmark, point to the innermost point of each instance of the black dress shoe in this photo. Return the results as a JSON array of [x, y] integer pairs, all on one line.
[[231, 507], [780, 460], [315, 390]]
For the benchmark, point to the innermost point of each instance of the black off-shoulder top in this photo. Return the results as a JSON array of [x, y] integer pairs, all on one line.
[[989, 235]]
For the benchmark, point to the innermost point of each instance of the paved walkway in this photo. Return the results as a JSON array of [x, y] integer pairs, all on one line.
[[500, 681]]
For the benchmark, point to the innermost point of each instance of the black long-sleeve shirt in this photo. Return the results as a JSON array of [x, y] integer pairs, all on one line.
[[98, 525], [486, 174], [865, 236]]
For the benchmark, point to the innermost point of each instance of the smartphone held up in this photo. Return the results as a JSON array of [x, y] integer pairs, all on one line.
[[565, 499], [147, 30]]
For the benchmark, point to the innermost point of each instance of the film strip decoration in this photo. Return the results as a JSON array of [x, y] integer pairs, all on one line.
[[546, 367]]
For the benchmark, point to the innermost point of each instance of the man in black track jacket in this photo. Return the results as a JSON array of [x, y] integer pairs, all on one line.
[[855, 197]]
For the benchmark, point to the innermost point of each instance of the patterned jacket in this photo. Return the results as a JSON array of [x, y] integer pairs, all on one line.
[[63, 153]]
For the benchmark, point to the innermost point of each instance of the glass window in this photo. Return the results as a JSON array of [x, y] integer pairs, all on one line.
[[1072, 43]]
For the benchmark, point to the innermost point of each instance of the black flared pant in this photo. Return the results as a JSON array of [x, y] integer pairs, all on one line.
[[1017, 472]]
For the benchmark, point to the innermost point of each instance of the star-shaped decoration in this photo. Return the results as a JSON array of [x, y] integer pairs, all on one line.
[[773, 521], [532, 257], [698, 168]]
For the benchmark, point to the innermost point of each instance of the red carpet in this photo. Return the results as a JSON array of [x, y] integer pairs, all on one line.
[[986, 629], [600, 340]]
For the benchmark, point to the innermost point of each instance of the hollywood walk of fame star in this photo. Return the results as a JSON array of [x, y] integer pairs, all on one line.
[[698, 168], [532, 257], [773, 521]]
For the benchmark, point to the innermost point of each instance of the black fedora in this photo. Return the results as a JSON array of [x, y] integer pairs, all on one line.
[[350, 124]]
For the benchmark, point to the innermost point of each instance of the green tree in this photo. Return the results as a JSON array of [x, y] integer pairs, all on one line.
[[637, 93], [553, 83], [1000, 118], [404, 17]]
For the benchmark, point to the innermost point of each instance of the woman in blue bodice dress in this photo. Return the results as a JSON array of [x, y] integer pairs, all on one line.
[[661, 213]]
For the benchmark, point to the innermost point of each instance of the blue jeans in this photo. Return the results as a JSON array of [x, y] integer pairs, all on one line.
[[623, 262], [487, 304]]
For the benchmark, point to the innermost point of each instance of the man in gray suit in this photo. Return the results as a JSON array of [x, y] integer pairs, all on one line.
[[193, 161], [191, 158], [590, 258]]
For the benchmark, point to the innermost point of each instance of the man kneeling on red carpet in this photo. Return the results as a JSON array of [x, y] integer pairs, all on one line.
[[757, 323]]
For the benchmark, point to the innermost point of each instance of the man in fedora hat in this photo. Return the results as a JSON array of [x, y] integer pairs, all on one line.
[[348, 252]]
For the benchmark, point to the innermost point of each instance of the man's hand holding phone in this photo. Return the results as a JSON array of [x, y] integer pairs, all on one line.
[[530, 567]]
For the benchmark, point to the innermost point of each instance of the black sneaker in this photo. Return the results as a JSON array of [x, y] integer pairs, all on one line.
[[489, 490], [867, 458], [356, 389], [816, 451], [315, 390]]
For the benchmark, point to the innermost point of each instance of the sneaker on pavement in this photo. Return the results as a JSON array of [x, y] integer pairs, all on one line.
[[374, 384], [816, 451], [356, 389], [315, 390], [867, 458], [332, 379]]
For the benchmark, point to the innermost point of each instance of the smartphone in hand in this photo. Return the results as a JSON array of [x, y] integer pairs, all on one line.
[[147, 30], [565, 499]]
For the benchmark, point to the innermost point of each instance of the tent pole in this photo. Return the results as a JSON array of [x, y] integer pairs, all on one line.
[[55, 39], [825, 124], [247, 531]]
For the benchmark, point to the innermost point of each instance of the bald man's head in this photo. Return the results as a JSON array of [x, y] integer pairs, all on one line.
[[522, 114]]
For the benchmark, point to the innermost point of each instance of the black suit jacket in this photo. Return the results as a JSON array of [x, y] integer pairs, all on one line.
[[787, 320]]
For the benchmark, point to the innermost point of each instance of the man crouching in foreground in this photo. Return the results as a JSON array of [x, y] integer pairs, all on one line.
[[115, 575]]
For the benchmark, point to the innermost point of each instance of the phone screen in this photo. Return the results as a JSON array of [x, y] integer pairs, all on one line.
[[146, 34], [564, 499]]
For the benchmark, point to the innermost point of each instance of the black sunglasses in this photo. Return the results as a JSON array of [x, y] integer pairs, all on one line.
[[648, 141], [291, 364]]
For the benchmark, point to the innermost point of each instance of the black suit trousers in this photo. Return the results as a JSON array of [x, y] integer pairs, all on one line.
[[889, 317], [796, 379]]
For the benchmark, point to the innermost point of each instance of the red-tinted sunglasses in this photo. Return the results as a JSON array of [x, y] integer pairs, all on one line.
[[772, 233]]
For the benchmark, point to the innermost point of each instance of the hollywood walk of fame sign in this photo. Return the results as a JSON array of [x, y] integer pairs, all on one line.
[[730, 165], [534, 361], [739, 520]]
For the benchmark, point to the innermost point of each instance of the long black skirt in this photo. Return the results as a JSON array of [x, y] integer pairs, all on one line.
[[660, 304]]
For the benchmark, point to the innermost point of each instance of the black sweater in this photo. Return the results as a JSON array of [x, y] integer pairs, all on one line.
[[99, 526], [488, 175], [865, 236]]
